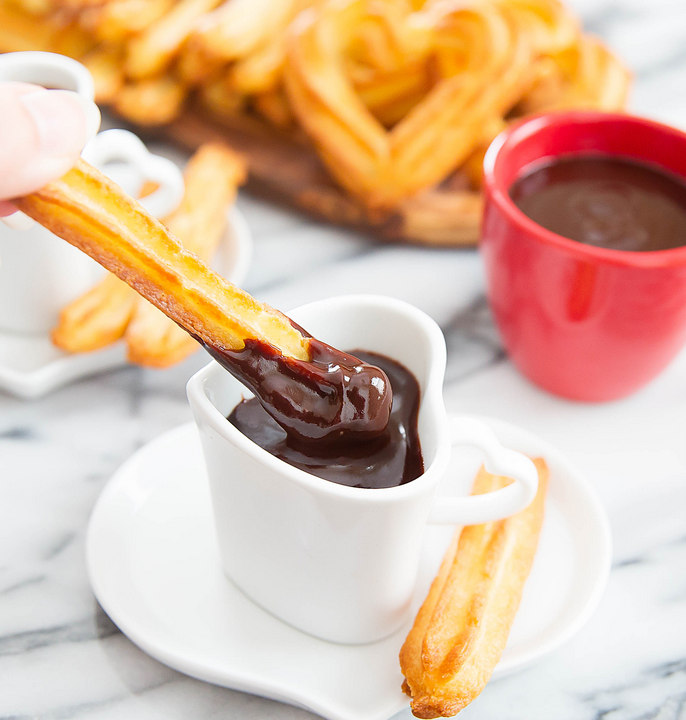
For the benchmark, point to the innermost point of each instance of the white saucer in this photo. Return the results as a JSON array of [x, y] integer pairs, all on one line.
[[31, 366], [154, 568]]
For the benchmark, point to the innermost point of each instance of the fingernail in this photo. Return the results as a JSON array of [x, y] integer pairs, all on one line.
[[62, 120]]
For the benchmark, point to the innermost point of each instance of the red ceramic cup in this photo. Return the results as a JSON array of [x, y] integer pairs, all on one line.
[[583, 322]]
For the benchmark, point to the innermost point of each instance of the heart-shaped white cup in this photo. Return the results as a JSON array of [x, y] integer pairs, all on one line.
[[335, 561]]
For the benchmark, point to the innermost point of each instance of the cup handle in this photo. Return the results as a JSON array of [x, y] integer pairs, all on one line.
[[122, 147], [499, 460]]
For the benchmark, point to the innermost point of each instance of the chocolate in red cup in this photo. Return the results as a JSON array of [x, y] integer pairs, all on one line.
[[584, 322]]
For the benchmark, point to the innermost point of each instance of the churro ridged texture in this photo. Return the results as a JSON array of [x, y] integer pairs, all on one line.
[[396, 99], [462, 627]]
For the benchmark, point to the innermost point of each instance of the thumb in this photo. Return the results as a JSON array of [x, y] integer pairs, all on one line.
[[44, 132]]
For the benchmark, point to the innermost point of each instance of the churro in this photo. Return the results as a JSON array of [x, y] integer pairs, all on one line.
[[95, 215], [479, 54], [149, 53], [462, 627], [150, 101], [112, 309], [96, 319], [314, 391]]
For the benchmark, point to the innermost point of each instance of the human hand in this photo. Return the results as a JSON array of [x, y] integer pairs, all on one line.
[[43, 134]]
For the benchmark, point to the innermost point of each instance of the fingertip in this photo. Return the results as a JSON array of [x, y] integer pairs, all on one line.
[[59, 119], [44, 132]]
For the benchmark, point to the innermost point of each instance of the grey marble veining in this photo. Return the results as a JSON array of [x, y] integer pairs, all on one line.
[[60, 655]]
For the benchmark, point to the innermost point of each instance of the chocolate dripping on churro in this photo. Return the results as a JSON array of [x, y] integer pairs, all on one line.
[[314, 391], [332, 398]]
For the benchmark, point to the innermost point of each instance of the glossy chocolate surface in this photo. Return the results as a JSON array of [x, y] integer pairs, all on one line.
[[390, 458], [332, 398], [609, 202]]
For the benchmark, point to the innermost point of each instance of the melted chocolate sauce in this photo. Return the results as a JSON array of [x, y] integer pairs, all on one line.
[[333, 398], [388, 458], [605, 201]]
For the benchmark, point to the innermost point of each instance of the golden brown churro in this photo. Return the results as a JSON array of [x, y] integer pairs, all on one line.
[[95, 215], [150, 52], [314, 391], [112, 309], [151, 101], [462, 627], [96, 319]]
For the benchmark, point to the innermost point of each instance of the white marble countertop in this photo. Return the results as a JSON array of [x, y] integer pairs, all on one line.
[[60, 655]]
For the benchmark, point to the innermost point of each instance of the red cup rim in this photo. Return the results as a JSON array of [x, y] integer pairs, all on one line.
[[499, 194]]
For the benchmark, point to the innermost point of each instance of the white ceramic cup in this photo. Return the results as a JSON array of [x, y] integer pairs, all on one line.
[[48, 69], [39, 272], [341, 562]]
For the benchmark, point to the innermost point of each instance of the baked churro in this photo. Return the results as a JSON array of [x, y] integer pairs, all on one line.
[[312, 390], [112, 309], [462, 627]]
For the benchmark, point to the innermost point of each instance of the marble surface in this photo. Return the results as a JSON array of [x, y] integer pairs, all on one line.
[[60, 655]]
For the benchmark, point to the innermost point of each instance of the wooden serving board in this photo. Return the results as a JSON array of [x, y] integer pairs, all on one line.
[[285, 169]]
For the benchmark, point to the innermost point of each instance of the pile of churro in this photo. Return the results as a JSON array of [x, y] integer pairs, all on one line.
[[373, 113]]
